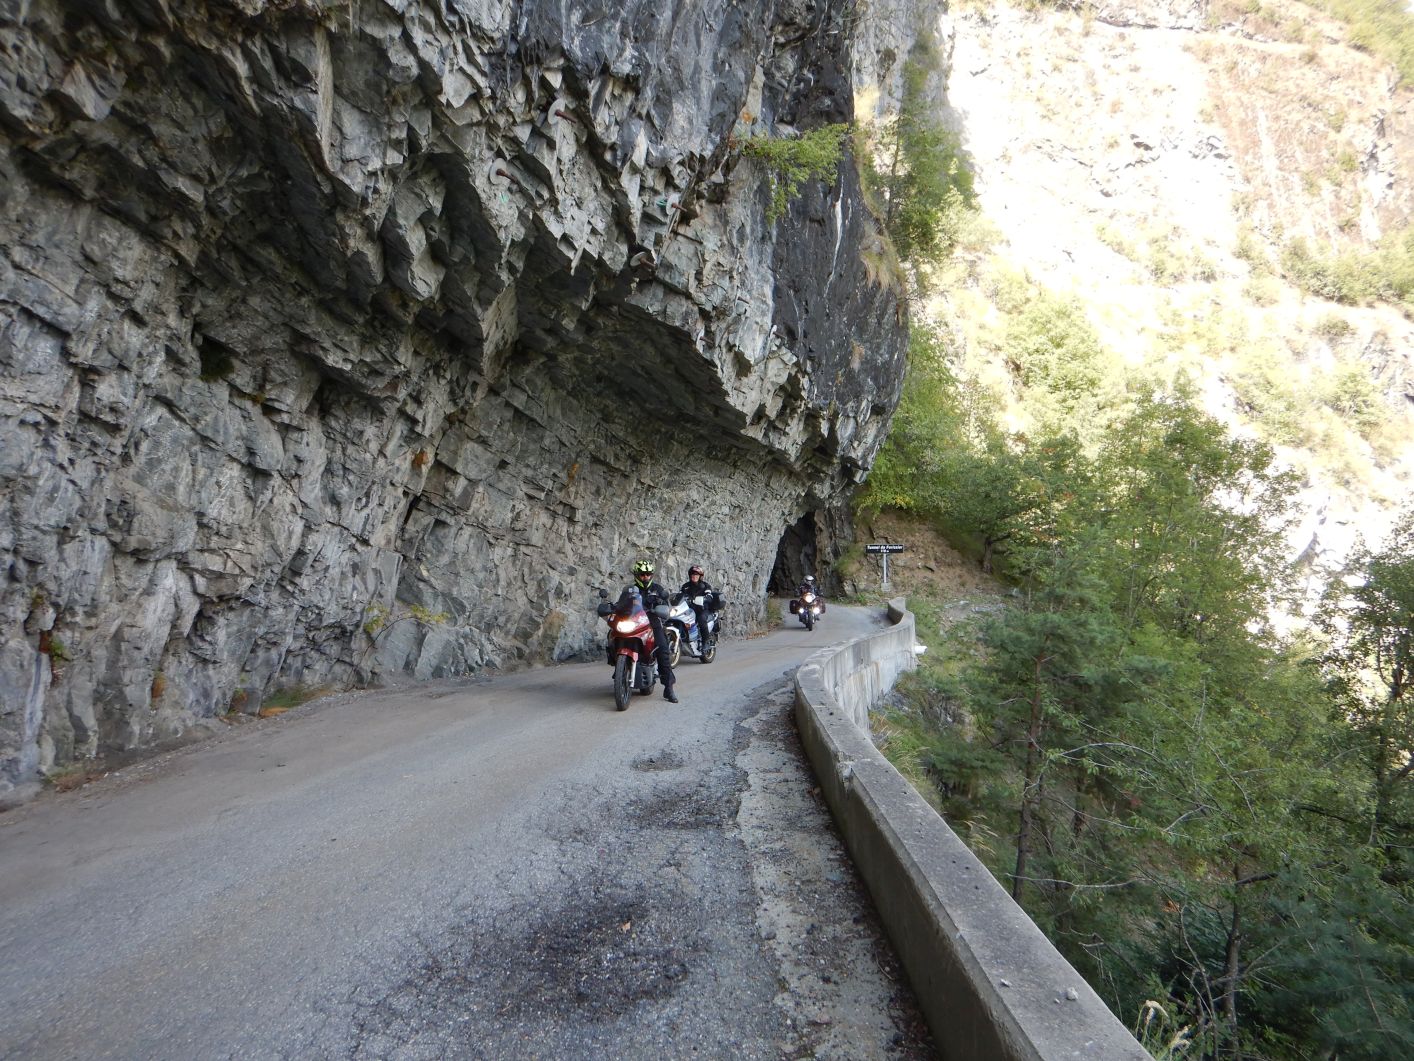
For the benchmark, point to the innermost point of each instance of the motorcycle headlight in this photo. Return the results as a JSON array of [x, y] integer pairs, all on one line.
[[626, 626], [809, 597]]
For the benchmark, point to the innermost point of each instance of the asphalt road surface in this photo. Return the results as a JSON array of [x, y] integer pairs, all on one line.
[[501, 869]]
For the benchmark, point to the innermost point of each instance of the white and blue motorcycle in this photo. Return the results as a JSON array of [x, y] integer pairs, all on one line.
[[681, 627]]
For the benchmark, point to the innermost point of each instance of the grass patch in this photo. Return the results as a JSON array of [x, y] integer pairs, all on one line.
[[285, 699], [71, 777]]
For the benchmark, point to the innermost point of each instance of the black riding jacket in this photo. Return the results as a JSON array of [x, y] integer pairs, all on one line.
[[692, 589], [653, 594]]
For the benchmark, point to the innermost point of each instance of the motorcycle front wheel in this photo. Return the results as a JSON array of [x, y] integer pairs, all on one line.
[[674, 646], [622, 689], [809, 620]]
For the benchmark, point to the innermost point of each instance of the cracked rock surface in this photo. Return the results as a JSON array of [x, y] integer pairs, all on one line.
[[348, 340]]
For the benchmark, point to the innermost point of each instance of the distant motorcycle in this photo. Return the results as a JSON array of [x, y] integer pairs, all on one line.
[[808, 609], [680, 627], [630, 645]]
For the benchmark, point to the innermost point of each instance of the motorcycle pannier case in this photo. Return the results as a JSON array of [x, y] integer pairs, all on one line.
[[823, 606], [794, 606]]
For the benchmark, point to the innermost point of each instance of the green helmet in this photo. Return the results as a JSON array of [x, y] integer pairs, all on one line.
[[643, 572]]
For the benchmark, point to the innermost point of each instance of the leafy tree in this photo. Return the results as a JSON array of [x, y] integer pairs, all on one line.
[[1193, 521], [1162, 741], [1038, 683], [932, 420], [1071, 383], [920, 177], [1009, 494], [1371, 675], [948, 460]]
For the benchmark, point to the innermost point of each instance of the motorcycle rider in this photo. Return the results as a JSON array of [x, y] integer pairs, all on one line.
[[698, 586], [807, 585], [654, 594]]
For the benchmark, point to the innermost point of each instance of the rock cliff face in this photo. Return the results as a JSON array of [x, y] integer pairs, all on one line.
[[370, 337]]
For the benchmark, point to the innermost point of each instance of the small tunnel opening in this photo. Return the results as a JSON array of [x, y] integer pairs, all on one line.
[[796, 557]]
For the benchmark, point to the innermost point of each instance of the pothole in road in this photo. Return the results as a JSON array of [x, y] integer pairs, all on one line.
[[682, 810], [602, 959], [663, 760], [604, 951]]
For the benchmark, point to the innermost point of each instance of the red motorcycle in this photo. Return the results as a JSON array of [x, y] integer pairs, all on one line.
[[630, 648]]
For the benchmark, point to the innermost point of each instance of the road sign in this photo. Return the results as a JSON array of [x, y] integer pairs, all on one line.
[[884, 549]]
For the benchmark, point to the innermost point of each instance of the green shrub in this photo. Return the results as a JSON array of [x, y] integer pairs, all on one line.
[[792, 161], [1333, 328], [1262, 381], [1382, 274], [1383, 27], [1262, 290], [1351, 394], [1073, 384]]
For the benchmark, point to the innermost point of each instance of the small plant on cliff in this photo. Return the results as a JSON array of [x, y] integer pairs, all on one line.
[[793, 161], [58, 653], [376, 616], [379, 620]]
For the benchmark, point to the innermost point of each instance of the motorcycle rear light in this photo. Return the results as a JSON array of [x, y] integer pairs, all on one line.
[[626, 626]]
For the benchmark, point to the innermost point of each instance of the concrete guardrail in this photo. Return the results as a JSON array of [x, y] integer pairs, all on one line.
[[990, 984]]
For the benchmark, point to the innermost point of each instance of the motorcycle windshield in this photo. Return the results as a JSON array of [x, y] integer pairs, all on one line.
[[630, 605]]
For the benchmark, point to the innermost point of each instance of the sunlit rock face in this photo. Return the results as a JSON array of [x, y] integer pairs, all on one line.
[[323, 320]]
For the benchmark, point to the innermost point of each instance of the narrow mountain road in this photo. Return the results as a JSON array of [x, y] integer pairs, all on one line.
[[504, 869]]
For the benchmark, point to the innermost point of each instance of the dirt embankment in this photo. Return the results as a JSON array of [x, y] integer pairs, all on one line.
[[928, 566]]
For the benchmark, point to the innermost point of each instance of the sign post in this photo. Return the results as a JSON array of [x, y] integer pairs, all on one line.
[[884, 549]]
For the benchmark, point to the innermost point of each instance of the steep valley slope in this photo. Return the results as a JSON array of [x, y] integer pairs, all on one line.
[[1157, 163]]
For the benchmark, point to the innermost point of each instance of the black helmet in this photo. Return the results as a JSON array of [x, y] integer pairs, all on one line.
[[643, 572], [696, 569]]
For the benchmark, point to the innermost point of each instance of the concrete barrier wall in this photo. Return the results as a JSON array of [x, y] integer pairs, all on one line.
[[989, 982]]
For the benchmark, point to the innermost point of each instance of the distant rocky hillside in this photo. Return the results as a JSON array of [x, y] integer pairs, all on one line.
[[1159, 162]]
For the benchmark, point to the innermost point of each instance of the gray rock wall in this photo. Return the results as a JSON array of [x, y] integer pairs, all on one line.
[[321, 321]]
